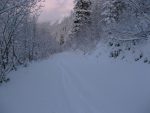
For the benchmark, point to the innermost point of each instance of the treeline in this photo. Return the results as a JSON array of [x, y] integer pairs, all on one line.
[[22, 39], [118, 21]]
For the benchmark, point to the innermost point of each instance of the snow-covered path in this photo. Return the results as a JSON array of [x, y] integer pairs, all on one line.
[[74, 83]]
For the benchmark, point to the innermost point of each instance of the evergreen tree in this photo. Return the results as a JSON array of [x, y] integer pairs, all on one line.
[[82, 12]]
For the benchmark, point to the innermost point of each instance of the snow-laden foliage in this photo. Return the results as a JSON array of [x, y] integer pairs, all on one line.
[[22, 39], [127, 21], [82, 12], [120, 23], [112, 10], [82, 19], [61, 30], [14, 15]]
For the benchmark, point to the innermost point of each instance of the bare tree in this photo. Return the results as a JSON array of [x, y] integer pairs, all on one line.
[[13, 16]]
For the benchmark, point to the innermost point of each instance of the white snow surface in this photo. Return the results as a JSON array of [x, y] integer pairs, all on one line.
[[70, 82]]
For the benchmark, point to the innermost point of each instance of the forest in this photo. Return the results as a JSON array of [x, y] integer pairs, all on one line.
[[94, 59], [122, 25]]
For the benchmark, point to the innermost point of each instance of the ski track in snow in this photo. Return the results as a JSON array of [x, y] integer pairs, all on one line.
[[75, 86], [74, 83]]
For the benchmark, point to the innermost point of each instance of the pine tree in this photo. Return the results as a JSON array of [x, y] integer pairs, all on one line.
[[82, 12]]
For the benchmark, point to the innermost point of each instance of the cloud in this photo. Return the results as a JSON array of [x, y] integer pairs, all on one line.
[[54, 10]]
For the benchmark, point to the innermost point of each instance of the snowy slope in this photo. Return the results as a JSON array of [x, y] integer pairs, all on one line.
[[73, 83]]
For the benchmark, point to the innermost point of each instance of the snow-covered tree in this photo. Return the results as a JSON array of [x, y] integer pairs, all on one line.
[[125, 20], [82, 12], [13, 16], [112, 10], [62, 29]]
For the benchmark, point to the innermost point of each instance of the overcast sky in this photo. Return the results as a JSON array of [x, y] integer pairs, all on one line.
[[55, 10]]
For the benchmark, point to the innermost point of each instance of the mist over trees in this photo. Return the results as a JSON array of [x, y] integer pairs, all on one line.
[[117, 21], [23, 39], [115, 17]]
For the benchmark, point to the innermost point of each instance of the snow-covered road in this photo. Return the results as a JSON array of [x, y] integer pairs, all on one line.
[[73, 83]]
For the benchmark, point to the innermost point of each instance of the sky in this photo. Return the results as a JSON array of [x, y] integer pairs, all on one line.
[[54, 10]]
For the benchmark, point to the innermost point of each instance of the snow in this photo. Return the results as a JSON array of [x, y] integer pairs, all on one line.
[[70, 82]]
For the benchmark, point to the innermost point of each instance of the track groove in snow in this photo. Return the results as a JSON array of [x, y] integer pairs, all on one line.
[[74, 83], [76, 87]]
